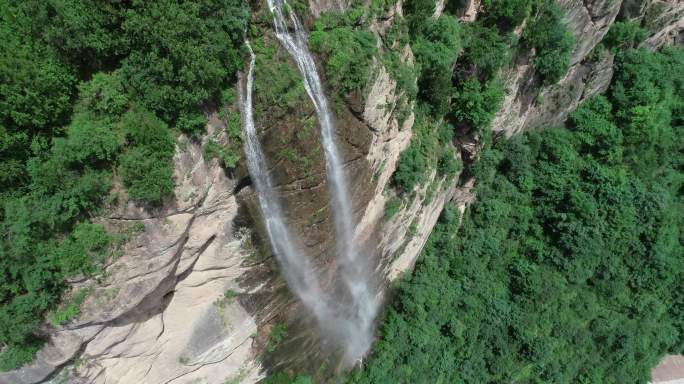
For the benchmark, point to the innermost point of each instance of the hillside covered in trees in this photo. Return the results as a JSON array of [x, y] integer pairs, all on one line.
[[92, 95], [569, 268]]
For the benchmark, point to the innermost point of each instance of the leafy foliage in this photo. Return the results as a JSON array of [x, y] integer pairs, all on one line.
[[485, 50], [430, 149], [623, 35], [476, 104], [278, 86], [392, 207], [478, 92], [144, 167], [183, 52], [349, 50], [436, 43], [104, 95], [227, 157], [507, 14], [278, 334], [553, 42], [417, 11], [568, 268], [71, 309]]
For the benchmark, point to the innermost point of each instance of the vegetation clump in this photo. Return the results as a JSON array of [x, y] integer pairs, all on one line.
[[552, 41], [623, 35], [436, 43], [430, 149], [506, 14], [392, 207], [349, 50], [278, 334]]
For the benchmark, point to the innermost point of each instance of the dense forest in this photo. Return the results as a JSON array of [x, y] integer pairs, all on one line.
[[92, 96], [569, 267]]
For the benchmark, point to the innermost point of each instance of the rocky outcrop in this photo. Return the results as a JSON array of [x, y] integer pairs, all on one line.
[[468, 13], [319, 6], [529, 104], [589, 21], [160, 312], [399, 240], [665, 21], [669, 371]]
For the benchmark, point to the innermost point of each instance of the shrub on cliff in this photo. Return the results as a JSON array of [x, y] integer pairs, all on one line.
[[436, 44], [506, 14], [552, 40], [485, 50], [349, 49], [475, 104], [430, 150], [623, 35]]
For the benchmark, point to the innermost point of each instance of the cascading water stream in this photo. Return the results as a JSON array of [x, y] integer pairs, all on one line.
[[355, 272], [296, 268]]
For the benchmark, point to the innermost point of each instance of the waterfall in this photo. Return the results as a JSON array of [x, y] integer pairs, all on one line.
[[299, 274], [297, 270], [355, 273]]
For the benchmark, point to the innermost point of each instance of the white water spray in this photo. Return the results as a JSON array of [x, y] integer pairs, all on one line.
[[287, 248], [355, 271], [297, 270]]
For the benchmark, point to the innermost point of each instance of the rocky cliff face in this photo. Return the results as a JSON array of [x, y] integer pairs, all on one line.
[[194, 297], [160, 313], [529, 104]]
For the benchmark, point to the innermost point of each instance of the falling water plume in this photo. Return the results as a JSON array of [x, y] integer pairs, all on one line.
[[355, 274], [296, 268]]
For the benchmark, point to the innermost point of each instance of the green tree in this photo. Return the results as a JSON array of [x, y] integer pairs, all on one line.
[[476, 104], [623, 35], [507, 14], [36, 88], [436, 45], [550, 37], [146, 167], [484, 49], [430, 149], [349, 50], [182, 53]]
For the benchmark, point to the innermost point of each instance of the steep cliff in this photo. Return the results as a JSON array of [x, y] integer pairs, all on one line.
[[196, 297], [529, 104]]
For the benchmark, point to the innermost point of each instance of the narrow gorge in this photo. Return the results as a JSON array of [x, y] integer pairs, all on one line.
[[335, 191]]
